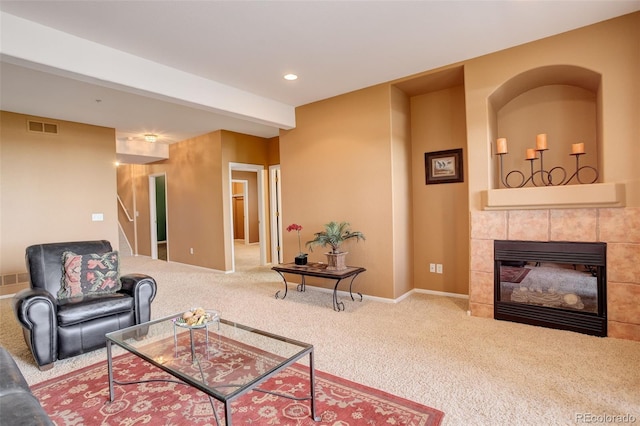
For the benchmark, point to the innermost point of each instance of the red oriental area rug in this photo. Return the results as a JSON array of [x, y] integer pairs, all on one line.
[[81, 398]]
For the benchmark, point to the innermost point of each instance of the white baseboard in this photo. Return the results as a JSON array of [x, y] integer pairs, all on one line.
[[386, 299]]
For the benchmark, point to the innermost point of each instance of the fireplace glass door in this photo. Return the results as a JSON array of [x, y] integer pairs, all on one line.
[[553, 284], [556, 285]]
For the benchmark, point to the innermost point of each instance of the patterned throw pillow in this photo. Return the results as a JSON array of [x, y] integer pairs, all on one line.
[[87, 274]]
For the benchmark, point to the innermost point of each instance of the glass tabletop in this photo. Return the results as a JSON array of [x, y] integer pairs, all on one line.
[[221, 358]]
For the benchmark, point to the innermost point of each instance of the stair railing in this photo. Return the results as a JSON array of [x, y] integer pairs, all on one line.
[[126, 212]]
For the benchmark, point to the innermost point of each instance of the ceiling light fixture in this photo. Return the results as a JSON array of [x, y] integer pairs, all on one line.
[[290, 77], [150, 138]]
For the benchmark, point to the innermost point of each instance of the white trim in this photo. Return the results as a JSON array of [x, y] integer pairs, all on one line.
[[275, 213], [386, 299], [153, 218], [440, 293]]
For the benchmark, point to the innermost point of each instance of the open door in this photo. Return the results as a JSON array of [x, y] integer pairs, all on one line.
[[275, 213]]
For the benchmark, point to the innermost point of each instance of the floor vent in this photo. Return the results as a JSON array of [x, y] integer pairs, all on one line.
[[19, 278], [42, 127]]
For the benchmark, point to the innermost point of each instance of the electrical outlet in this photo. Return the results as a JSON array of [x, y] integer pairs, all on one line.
[[432, 267], [191, 250], [439, 268]]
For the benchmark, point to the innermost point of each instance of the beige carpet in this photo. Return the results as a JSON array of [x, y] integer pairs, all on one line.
[[425, 348]]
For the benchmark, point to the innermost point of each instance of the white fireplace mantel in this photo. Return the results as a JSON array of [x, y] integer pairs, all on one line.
[[569, 196]]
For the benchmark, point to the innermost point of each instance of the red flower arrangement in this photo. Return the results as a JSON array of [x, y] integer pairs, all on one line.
[[297, 228]]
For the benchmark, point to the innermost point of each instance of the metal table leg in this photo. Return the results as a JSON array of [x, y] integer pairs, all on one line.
[[110, 369], [337, 306], [227, 413], [286, 287], [312, 383], [351, 286], [303, 285]]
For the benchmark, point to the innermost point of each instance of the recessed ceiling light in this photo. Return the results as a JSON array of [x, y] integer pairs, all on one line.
[[290, 77]]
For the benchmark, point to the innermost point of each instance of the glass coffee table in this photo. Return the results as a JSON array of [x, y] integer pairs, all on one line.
[[221, 358]]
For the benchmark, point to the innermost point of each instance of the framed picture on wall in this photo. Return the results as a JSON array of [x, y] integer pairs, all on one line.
[[444, 166]]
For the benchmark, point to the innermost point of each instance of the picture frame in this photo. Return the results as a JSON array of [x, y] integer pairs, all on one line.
[[444, 166]]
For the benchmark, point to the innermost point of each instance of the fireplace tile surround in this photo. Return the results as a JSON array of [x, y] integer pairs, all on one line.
[[618, 227]]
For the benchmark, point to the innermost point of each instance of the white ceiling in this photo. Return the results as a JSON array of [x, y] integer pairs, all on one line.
[[183, 68]]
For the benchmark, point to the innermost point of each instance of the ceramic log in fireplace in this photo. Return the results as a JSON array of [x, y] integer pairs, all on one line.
[[558, 285]]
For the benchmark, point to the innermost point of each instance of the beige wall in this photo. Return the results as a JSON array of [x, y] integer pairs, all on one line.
[[336, 167], [50, 185]]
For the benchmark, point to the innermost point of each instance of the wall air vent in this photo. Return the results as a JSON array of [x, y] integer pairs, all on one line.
[[42, 127]]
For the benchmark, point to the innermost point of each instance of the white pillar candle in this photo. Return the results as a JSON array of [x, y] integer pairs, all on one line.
[[577, 148], [541, 141], [531, 154], [501, 146]]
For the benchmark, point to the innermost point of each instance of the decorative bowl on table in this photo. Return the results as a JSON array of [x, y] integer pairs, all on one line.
[[197, 318]]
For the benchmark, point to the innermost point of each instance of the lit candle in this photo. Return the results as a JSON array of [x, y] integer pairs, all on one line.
[[541, 141], [531, 154], [577, 148], [501, 146]]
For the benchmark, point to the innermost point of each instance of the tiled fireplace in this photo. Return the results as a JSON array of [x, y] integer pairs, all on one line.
[[618, 227]]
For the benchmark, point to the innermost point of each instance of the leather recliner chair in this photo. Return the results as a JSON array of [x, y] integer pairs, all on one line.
[[56, 328]]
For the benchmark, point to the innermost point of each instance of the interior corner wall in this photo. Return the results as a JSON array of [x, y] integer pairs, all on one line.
[[440, 211], [336, 166], [52, 184], [403, 255]]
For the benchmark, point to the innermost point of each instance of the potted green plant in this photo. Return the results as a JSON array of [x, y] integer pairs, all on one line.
[[334, 235]]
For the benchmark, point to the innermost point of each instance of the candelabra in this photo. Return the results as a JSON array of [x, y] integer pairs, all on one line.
[[555, 176]]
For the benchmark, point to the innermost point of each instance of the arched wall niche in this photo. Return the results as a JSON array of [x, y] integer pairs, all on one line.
[[561, 101]]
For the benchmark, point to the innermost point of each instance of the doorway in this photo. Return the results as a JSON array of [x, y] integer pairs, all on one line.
[[254, 232], [158, 216]]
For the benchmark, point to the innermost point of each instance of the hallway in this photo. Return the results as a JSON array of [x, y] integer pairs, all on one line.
[[247, 256]]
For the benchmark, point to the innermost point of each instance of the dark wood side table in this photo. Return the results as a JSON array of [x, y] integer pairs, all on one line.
[[319, 270]]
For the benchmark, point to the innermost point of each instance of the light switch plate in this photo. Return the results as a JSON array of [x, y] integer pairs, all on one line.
[[97, 217]]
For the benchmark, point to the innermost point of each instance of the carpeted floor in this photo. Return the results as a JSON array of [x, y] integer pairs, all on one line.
[[424, 348]]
